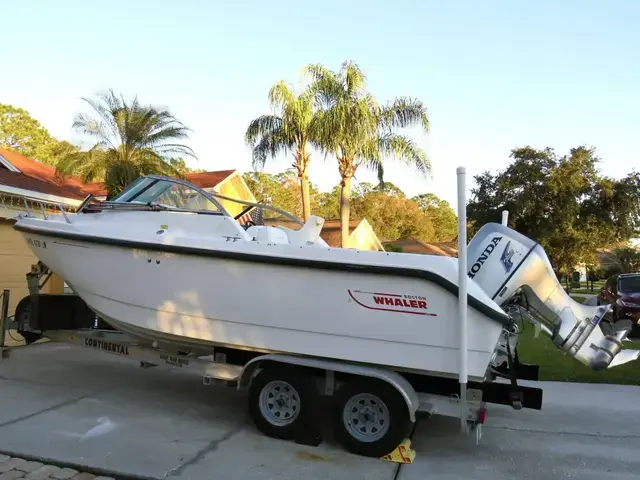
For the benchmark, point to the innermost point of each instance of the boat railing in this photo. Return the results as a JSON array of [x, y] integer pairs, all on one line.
[[43, 205]]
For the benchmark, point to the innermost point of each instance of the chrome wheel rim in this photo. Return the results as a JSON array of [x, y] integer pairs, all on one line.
[[279, 403], [366, 417]]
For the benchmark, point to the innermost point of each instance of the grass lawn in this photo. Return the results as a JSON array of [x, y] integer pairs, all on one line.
[[578, 298], [557, 367], [585, 287]]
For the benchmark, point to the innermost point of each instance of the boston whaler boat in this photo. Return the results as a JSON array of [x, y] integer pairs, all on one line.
[[172, 272]]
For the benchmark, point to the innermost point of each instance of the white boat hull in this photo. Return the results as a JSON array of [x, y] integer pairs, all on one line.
[[194, 299]]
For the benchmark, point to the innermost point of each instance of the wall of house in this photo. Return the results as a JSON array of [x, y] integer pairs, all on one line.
[[234, 187], [8, 210], [16, 259], [362, 239]]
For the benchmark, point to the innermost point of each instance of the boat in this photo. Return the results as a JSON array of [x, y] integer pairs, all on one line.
[[172, 277], [166, 262]]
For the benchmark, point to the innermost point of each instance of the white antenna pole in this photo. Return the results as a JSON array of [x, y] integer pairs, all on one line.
[[505, 217], [462, 292]]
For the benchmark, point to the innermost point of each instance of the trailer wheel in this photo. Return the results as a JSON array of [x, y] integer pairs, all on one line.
[[279, 399], [370, 417]]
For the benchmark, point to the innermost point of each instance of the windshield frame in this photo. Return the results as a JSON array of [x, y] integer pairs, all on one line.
[[622, 278], [131, 204]]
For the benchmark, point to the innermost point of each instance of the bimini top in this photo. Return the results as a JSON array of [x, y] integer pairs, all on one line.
[[156, 192]]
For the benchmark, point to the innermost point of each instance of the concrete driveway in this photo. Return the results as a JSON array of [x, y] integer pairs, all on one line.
[[85, 408]]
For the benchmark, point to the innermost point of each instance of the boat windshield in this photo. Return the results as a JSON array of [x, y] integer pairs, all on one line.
[[154, 191], [167, 193]]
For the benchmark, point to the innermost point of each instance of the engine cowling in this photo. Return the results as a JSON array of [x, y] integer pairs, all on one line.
[[515, 271]]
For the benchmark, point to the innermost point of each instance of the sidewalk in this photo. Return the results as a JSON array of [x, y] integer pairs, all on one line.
[[14, 468]]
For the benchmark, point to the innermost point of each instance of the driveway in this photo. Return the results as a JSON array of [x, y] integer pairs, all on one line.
[[86, 408]]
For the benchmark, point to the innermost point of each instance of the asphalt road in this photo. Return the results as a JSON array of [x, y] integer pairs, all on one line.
[[87, 408]]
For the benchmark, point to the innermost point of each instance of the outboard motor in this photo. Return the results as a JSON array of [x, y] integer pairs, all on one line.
[[516, 273]]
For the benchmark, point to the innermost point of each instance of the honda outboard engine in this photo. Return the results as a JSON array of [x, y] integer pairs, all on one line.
[[516, 273]]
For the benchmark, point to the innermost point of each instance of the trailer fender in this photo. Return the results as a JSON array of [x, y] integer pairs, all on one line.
[[393, 378]]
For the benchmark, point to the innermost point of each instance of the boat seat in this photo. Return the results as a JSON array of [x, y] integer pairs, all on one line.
[[308, 234], [261, 233]]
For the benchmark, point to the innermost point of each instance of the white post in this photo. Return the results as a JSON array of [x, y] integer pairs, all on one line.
[[462, 292], [505, 217]]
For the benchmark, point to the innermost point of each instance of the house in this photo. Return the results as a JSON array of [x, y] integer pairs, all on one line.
[[361, 234], [26, 185], [29, 185], [447, 249]]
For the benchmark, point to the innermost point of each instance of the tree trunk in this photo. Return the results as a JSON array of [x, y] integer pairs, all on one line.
[[306, 201], [302, 166], [345, 208]]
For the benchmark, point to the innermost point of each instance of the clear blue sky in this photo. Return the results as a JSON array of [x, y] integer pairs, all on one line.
[[494, 74]]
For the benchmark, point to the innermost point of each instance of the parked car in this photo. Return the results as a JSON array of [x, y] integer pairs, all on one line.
[[622, 292]]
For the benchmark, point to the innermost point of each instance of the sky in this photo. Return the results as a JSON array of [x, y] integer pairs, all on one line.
[[495, 75]]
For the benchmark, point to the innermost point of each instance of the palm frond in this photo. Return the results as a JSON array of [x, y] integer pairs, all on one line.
[[353, 78], [326, 86], [131, 138], [404, 150], [405, 112], [281, 95], [263, 125], [109, 103], [270, 145]]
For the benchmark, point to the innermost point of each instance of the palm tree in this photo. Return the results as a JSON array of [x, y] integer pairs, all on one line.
[[290, 130], [352, 126], [627, 258], [130, 140]]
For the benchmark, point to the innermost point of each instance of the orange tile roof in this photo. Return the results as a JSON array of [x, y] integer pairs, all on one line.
[[208, 179], [36, 173], [25, 182]]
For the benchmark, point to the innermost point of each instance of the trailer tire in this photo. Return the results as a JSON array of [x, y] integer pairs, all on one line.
[[371, 417], [293, 394]]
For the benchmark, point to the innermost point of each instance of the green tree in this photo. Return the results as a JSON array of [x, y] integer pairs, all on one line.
[[393, 216], [351, 125], [280, 190], [627, 259], [561, 202], [131, 139], [22, 133], [328, 203], [270, 189], [440, 214], [288, 131]]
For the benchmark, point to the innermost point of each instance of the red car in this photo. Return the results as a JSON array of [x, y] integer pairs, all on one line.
[[622, 292]]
